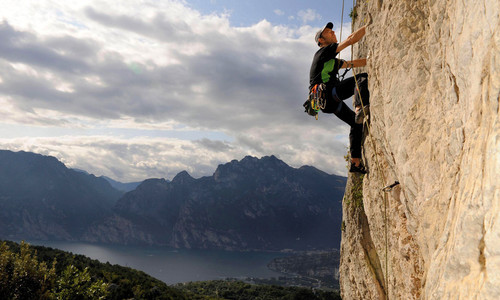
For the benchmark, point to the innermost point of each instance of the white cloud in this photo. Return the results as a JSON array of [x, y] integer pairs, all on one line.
[[128, 159], [138, 158], [279, 12], [94, 68], [308, 15]]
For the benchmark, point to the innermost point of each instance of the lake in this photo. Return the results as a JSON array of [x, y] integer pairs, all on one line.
[[175, 265]]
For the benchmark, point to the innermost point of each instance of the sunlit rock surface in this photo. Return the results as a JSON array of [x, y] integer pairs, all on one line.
[[434, 70]]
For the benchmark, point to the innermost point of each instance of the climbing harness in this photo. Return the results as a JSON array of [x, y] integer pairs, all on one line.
[[316, 100]]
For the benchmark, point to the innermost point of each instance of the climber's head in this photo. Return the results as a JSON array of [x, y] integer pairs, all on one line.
[[326, 36]]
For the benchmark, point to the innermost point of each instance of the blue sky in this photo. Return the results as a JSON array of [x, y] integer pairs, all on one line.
[[139, 89], [294, 13]]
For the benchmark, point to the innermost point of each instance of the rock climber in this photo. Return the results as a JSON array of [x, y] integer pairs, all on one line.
[[324, 69]]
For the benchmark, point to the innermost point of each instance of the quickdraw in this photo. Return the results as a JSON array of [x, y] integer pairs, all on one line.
[[341, 77], [316, 100], [318, 96], [390, 187]]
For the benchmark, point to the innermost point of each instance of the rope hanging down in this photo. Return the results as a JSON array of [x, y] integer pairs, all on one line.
[[380, 170], [341, 77]]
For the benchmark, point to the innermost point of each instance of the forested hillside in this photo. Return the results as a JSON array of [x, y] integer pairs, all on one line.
[[36, 272]]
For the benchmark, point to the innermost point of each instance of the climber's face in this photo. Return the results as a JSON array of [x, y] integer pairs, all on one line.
[[327, 37]]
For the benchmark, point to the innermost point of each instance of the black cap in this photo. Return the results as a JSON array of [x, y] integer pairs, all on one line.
[[318, 34]]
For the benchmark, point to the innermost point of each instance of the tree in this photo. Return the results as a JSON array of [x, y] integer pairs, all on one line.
[[22, 276], [78, 285]]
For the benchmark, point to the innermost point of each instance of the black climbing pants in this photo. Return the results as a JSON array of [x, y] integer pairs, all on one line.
[[335, 105]]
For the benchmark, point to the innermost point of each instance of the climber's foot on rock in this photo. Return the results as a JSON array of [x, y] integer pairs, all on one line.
[[360, 113], [357, 169]]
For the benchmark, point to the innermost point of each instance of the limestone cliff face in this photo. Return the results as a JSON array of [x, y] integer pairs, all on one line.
[[434, 70]]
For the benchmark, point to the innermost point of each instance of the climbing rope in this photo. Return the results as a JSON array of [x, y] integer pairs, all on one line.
[[341, 77], [377, 163], [341, 20], [381, 171], [352, 19]]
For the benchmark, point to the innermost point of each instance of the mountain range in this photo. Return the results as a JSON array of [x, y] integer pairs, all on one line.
[[41, 198], [251, 204]]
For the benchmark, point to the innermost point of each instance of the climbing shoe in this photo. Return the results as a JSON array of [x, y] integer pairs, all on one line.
[[359, 169], [360, 115]]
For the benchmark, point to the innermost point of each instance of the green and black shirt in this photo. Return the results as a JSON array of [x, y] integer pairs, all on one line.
[[325, 66]]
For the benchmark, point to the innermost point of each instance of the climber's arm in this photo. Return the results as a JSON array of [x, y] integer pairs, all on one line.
[[353, 38], [354, 63]]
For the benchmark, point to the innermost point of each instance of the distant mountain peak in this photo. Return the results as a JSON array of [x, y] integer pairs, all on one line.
[[250, 166], [234, 209], [182, 177], [254, 159], [55, 202], [274, 160], [250, 161]]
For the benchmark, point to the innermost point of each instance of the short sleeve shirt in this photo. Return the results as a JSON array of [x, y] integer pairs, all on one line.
[[325, 66]]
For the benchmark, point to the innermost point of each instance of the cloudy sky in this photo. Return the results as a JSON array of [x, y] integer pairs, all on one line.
[[135, 89]]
